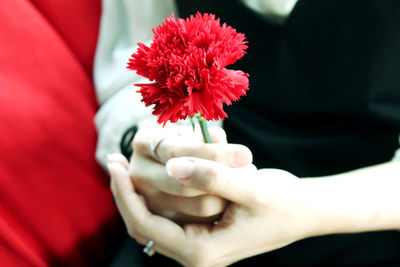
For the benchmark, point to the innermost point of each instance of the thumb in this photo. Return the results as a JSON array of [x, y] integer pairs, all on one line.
[[211, 177]]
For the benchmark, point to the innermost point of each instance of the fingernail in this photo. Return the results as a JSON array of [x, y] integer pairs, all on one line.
[[180, 169]]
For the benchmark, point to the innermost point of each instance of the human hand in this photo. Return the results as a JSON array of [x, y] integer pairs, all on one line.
[[165, 196], [267, 212]]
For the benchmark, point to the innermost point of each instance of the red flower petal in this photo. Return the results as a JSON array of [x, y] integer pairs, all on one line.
[[186, 63]]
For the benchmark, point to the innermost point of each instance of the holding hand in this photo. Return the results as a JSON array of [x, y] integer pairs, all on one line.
[[167, 197], [265, 213]]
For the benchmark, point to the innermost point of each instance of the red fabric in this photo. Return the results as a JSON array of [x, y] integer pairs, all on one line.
[[55, 205]]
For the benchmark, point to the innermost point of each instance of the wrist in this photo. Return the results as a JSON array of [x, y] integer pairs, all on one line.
[[321, 208], [333, 209], [358, 201], [312, 216]]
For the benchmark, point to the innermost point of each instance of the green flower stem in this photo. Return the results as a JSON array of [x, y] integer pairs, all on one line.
[[204, 129]]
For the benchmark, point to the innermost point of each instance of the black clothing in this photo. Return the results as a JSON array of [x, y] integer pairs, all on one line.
[[324, 98]]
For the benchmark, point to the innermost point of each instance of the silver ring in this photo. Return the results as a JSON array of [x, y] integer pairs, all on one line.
[[154, 144], [148, 249]]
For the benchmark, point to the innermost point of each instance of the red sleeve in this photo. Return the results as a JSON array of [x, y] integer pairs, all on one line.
[[55, 205]]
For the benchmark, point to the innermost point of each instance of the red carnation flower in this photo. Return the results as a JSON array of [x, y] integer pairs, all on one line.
[[186, 65]]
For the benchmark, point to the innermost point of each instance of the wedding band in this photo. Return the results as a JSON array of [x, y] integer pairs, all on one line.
[[154, 144], [148, 249]]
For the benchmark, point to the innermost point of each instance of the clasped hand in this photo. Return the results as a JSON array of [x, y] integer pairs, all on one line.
[[167, 197], [202, 208]]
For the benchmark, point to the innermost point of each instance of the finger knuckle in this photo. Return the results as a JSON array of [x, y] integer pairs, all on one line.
[[213, 155], [170, 152], [210, 179], [139, 144]]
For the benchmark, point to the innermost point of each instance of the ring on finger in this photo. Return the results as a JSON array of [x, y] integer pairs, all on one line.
[[154, 144], [148, 249]]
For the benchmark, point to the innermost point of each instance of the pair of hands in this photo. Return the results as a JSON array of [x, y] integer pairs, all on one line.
[[177, 205], [167, 197]]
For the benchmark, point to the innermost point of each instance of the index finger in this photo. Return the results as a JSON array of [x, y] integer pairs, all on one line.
[[232, 155], [182, 142]]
